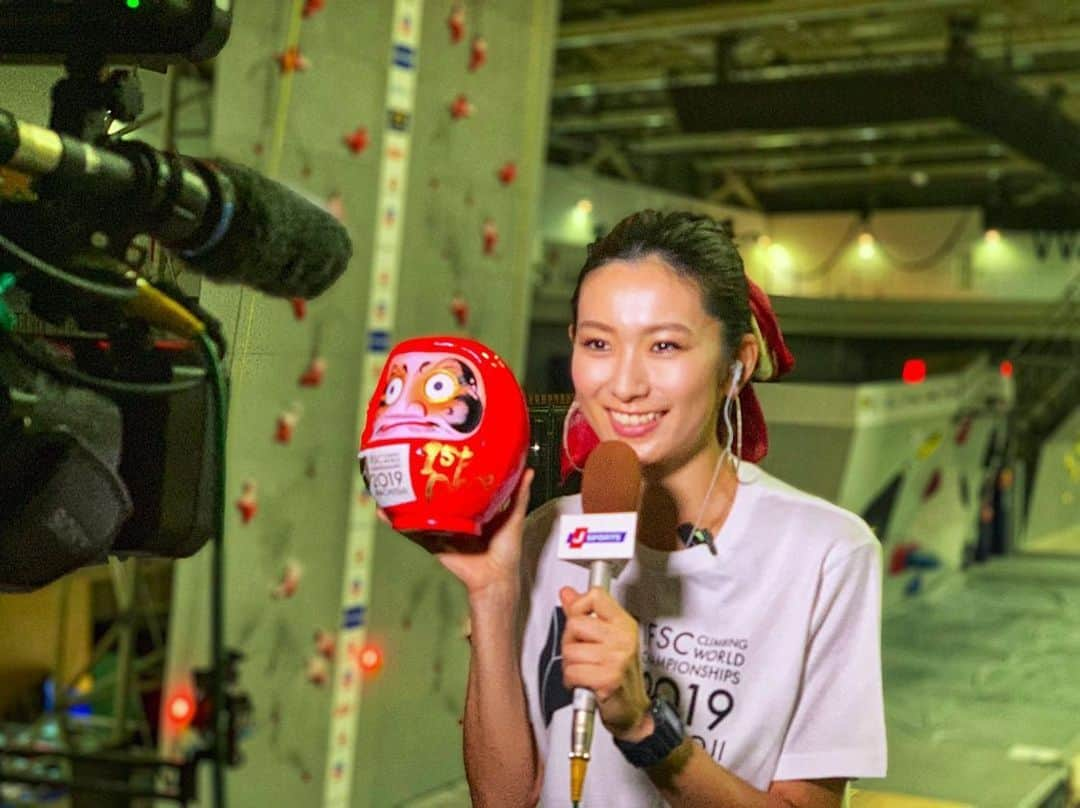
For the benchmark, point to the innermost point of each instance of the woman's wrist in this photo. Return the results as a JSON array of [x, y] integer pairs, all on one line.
[[494, 595], [639, 730]]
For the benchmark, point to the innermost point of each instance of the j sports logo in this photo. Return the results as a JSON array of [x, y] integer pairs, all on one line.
[[581, 536]]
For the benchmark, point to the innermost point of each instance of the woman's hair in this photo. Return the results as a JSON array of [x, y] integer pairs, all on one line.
[[696, 247]]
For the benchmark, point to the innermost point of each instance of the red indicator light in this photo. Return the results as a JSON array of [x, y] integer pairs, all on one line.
[[1006, 368], [370, 659], [181, 710], [914, 371]]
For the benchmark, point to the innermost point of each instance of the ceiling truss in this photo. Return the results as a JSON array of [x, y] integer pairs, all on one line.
[[621, 65]]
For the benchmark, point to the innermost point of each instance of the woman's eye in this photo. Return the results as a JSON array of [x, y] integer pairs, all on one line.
[[393, 390], [440, 387], [666, 347], [594, 343]]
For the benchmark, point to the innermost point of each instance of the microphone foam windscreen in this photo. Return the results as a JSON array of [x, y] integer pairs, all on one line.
[[611, 479], [278, 242]]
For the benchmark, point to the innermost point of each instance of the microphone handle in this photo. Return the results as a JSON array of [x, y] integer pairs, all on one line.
[[179, 203], [79, 166], [581, 730]]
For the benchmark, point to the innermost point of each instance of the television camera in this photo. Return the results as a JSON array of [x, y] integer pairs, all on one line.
[[112, 393], [108, 441]]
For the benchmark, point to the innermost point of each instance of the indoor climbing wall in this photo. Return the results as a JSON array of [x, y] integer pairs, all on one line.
[[408, 121], [1054, 506], [919, 461]]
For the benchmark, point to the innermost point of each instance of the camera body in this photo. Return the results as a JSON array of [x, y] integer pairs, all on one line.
[[152, 32], [85, 475]]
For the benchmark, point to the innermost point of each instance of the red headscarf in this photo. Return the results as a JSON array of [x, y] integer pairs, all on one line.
[[774, 360]]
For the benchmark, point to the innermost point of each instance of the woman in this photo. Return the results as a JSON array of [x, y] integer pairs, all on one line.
[[751, 608]]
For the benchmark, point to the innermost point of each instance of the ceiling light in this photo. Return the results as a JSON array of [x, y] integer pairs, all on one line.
[[780, 258], [866, 245]]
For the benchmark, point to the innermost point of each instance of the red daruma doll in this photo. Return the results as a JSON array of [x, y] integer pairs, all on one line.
[[446, 435]]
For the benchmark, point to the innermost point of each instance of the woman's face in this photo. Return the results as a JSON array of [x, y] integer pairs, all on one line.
[[647, 360]]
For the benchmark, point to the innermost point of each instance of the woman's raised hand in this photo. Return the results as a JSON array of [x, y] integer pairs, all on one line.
[[481, 562]]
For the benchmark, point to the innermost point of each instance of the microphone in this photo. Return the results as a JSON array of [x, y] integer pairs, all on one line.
[[226, 221], [603, 537]]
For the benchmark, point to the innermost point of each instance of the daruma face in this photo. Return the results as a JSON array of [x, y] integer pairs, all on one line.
[[446, 436], [429, 395]]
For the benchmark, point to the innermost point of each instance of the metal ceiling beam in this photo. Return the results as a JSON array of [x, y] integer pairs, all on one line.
[[803, 137], [983, 100], [878, 175], [898, 154], [958, 192], [1047, 50], [740, 16], [641, 79], [608, 120], [992, 44], [847, 100]]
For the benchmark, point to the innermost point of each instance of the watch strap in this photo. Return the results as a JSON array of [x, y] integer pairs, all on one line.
[[667, 734]]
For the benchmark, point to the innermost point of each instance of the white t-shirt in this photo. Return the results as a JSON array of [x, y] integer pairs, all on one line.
[[770, 649]]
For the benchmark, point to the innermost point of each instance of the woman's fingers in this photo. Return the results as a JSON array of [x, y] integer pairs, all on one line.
[[595, 677], [586, 629], [521, 493], [596, 602], [510, 521], [584, 654]]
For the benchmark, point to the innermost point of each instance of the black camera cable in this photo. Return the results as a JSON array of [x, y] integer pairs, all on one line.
[[157, 308]]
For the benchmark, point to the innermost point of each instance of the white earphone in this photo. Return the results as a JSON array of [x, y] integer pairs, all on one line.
[[736, 377]]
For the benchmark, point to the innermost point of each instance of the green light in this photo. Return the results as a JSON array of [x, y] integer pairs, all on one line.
[[134, 3]]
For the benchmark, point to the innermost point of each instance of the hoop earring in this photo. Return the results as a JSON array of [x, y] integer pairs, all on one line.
[[571, 410]]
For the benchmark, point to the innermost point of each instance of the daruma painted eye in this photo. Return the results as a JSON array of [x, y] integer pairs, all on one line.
[[393, 390], [440, 387]]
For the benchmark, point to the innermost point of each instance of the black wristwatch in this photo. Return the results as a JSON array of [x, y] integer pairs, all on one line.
[[668, 733]]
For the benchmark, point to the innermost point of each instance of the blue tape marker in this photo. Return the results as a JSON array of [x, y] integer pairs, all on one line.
[[379, 341], [404, 56], [354, 617]]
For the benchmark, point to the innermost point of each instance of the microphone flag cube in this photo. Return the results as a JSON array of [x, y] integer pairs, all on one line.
[[588, 537]]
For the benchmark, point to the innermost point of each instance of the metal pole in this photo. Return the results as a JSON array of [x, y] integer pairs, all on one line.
[[123, 573]]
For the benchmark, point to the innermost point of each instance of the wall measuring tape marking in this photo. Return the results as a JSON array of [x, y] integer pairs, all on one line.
[[381, 315]]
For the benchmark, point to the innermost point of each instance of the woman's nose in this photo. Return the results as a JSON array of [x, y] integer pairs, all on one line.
[[630, 379]]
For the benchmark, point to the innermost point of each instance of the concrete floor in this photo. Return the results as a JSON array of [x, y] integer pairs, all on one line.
[[982, 678]]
